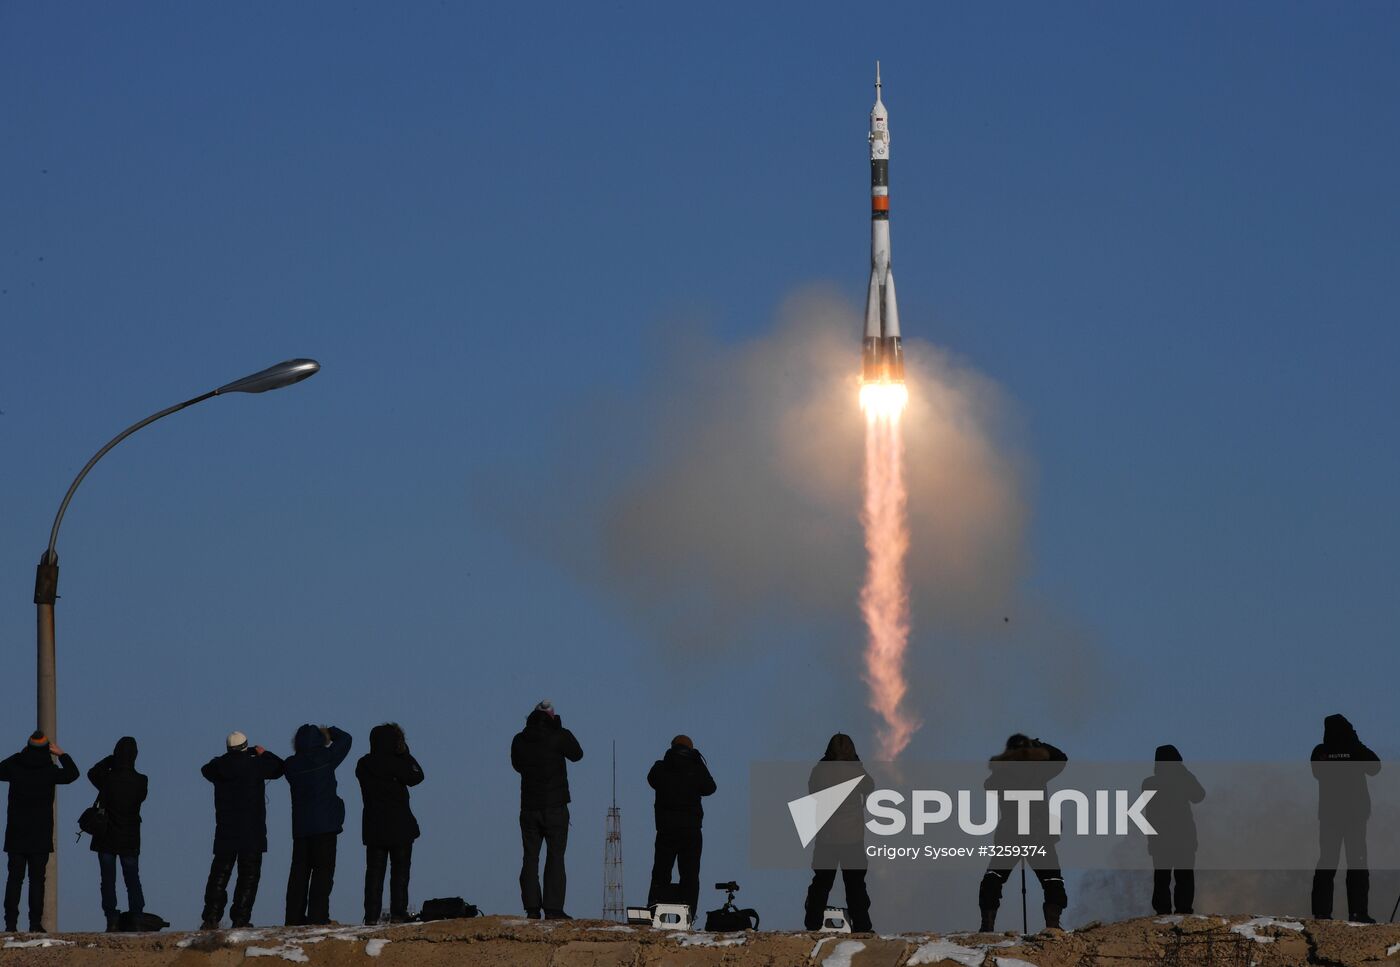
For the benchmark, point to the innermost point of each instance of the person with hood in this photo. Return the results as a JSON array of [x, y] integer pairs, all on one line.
[[681, 778], [1341, 764], [841, 841], [33, 776], [538, 752], [1024, 764], [120, 791], [1173, 848], [240, 827], [388, 828], [318, 817]]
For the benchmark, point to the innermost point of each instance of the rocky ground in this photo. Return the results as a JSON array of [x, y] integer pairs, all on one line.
[[502, 941]]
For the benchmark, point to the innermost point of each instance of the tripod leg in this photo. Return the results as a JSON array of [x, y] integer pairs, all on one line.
[[1025, 924]]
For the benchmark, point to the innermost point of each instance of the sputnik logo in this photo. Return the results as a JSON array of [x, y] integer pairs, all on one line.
[[811, 812]]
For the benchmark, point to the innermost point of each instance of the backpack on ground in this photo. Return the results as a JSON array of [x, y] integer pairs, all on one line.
[[141, 922], [447, 908], [728, 918]]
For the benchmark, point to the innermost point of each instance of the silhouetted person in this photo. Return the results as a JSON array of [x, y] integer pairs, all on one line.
[[538, 752], [841, 842], [1340, 765], [1025, 763], [33, 776], [121, 790], [1173, 848], [240, 827], [388, 827], [681, 778], [318, 816]]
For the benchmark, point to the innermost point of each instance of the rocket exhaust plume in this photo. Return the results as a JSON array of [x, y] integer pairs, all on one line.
[[884, 600]]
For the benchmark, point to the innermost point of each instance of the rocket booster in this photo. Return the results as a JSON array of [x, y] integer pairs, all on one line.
[[882, 354]]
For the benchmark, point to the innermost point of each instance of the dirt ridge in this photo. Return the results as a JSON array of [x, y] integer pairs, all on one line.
[[1238, 941]]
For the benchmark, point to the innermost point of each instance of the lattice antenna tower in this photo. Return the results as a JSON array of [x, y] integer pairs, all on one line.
[[613, 906]]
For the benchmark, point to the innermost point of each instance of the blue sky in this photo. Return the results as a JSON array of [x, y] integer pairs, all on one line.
[[1167, 234]]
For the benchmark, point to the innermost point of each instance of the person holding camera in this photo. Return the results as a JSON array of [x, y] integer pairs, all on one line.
[[1025, 763], [1175, 789], [240, 827], [388, 827], [33, 776], [120, 792], [318, 816], [1341, 763], [539, 753], [681, 779], [841, 841]]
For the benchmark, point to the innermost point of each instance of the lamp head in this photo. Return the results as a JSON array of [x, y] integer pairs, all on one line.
[[274, 377]]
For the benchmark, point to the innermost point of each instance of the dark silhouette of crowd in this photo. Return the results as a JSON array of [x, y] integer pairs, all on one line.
[[681, 779]]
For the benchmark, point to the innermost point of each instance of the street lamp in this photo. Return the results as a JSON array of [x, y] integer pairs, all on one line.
[[46, 578]]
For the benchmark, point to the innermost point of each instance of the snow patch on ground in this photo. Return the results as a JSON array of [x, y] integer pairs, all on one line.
[[287, 952], [619, 928], [936, 950], [842, 953], [1174, 919], [1392, 950], [1250, 928], [37, 942], [1013, 962], [375, 947], [702, 939]]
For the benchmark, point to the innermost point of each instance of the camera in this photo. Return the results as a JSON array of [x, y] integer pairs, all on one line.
[[730, 887]]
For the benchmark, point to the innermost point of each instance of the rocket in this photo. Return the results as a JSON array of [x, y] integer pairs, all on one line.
[[882, 354]]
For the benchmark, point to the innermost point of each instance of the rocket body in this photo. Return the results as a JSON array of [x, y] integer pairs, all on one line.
[[882, 354]]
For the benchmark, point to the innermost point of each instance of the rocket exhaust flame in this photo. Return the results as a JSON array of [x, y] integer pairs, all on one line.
[[884, 600]]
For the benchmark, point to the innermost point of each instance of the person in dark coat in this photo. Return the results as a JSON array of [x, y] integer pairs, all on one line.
[[841, 841], [120, 790], [1025, 763], [1173, 848], [538, 752], [388, 828], [33, 776], [681, 778], [1341, 764], [240, 827], [318, 816]]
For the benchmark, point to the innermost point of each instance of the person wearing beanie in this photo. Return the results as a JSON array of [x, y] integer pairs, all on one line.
[[33, 776], [240, 827], [1173, 849], [1341, 764], [539, 753], [318, 816], [120, 790], [681, 779]]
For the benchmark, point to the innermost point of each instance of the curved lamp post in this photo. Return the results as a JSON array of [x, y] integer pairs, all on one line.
[[46, 579]]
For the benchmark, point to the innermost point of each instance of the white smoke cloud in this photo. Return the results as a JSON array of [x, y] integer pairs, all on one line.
[[718, 506], [749, 497]]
